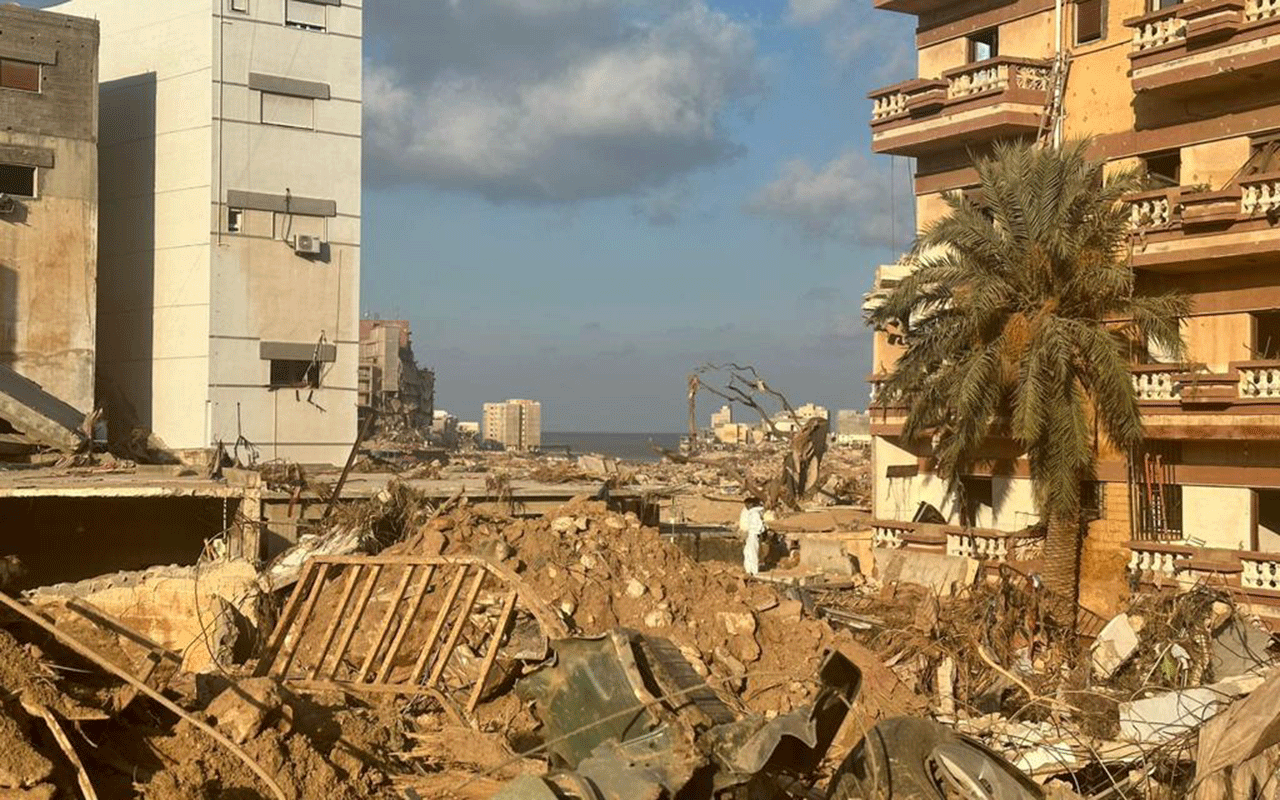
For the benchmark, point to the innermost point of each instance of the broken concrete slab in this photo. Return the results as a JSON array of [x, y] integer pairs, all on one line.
[[943, 574], [243, 709], [595, 465], [1240, 648], [1116, 643], [177, 607], [39, 416], [1244, 731], [827, 553], [1166, 716]]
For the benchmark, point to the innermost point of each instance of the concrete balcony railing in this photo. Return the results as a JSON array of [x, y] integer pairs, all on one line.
[[1157, 381], [1158, 560], [1260, 195], [1260, 571], [976, 102], [1194, 227], [1259, 380], [1203, 46], [985, 544]]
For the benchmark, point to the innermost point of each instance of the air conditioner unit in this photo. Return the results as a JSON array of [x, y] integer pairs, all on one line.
[[308, 245], [7, 204]]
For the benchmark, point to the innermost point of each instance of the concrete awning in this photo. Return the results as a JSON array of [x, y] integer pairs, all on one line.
[[37, 415]]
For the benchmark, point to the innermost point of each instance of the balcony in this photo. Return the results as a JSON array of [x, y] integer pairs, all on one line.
[[1189, 228], [1187, 402], [993, 99], [1254, 575], [1205, 46], [981, 544]]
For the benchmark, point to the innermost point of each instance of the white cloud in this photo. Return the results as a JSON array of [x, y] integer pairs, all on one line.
[[809, 12], [854, 30], [847, 199], [554, 100]]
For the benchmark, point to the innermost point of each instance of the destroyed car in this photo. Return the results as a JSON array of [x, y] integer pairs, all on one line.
[[625, 717]]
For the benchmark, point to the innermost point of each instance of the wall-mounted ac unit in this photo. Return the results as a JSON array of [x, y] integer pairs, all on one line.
[[7, 204], [307, 245]]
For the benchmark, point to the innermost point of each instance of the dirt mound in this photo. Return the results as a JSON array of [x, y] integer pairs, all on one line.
[[601, 570]]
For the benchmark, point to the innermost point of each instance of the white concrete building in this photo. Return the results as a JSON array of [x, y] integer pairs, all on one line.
[[229, 269]]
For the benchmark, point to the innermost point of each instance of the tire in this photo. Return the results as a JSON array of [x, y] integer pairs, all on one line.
[[895, 762]]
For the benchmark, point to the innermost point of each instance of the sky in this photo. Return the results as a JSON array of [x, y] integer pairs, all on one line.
[[580, 201]]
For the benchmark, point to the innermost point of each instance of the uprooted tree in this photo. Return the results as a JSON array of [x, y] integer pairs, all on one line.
[[744, 386]]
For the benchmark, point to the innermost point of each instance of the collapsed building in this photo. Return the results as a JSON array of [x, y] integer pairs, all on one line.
[[392, 385], [1190, 92]]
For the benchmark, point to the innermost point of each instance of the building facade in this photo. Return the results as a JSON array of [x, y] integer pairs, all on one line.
[[49, 200], [1189, 92], [229, 263], [515, 424]]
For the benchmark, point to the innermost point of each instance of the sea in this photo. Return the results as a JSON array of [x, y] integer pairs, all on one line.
[[626, 446]]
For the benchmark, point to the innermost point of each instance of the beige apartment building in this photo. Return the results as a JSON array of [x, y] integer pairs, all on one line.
[[229, 246], [49, 200], [1191, 92], [515, 424]]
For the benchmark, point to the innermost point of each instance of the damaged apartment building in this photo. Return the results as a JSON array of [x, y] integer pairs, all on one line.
[[180, 200], [392, 385], [1190, 92], [229, 222]]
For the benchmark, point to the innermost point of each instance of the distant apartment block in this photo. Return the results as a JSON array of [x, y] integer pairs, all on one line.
[[49, 200], [390, 380], [229, 248], [722, 417], [515, 424], [787, 423]]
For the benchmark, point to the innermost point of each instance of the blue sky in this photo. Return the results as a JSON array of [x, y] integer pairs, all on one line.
[[579, 201]]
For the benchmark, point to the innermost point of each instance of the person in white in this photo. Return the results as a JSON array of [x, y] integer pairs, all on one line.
[[751, 524]]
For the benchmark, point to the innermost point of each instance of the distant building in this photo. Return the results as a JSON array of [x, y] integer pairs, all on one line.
[[391, 382], [468, 428], [49, 200], [515, 424], [722, 417], [852, 426], [444, 428], [229, 234], [785, 423], [738, 433]]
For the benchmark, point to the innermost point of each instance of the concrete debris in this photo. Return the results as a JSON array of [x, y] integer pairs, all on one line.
[[1239, 648], [244, 708], [38, 416], [1116, 642], [1166, 716]]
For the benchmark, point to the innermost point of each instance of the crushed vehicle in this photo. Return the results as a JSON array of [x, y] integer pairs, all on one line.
[[625, 717]]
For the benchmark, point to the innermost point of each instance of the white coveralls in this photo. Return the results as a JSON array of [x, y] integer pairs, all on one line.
[[751, 523]]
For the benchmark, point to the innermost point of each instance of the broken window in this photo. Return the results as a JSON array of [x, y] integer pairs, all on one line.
[[1089, 19], [1268, 533], [235, 219], [979, 505], [1164, 169], [287, 110], [305, 15], [290, 374], [1264, 156], [1266, 334], [984, 45], [17, 180], [21, 75]]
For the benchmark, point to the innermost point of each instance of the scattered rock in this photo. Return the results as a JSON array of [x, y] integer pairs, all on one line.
[[245, 708], [1116, 643]]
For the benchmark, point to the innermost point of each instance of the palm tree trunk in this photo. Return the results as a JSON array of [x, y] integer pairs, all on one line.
[[1062, 565]]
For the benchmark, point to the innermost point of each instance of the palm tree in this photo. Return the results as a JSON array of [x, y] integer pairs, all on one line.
[[1021, 321]]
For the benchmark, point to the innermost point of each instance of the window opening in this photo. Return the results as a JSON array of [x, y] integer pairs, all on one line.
[[235, 218], [17, 180], [290, 374], [984, 45], [1164, 169]]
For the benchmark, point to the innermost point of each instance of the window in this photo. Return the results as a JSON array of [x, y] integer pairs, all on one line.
[[235, 217], [1266, 334], [1156, 5], [1164, 169], [1155, 501], [1267, 535], [240, 5], [984, 45], [17, 181], [1093, 500], [291, 374], [287, 110], [21, 75], [305, 15], [1089, 20], [978, 502], [1264, 156]]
